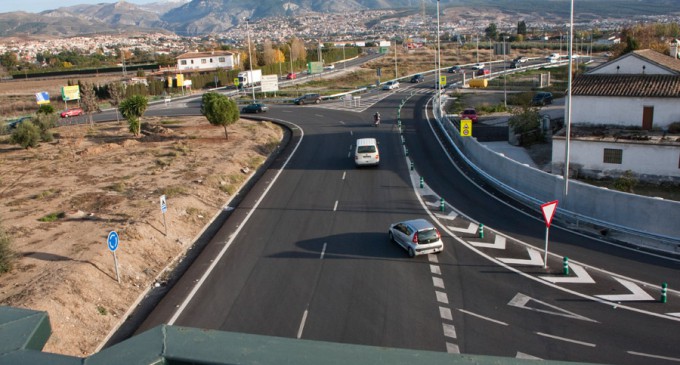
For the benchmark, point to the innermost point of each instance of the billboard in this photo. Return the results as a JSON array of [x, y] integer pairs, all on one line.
[[314, 67], [270, 83], [180, 80], [42, 98], [70, 92]]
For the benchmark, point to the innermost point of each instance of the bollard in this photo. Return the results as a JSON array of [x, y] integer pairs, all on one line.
[[422, 182], [664, 288], [565, 264], [406, 150], [441, 205], [403, 140], [481, 230], [411, 165], [399, 123]]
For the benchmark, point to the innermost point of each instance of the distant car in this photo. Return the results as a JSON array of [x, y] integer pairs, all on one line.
[[14, 123], [417, 237], [478, 66], [417, 78], [454, 69], [469, 113], [483, 71], [520, 59], [291, 76], [390, 85], [555, 57], [542, 98], [329, 67], [308, 99], [73, 112], [254, 108]]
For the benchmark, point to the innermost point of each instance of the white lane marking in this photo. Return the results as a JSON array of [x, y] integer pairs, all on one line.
[[349, 154], [654, 356], [451, 216], [344, 174], [341, 122], [442, 297], [521, 355], [323, 250], [435, 269], [581, 276], [433, 204], [637, 294], [302, 324], [318, 115], [433, 258], [483, 317], [351, 133], [472, 228], [566, 339], [676, 314], [535, 259], [445, 313], [449, 330], [438, 283], [498, 244], [452, 348], [520, 301], [233, 236], [335, 207]]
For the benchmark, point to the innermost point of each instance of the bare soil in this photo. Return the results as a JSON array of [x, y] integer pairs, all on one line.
[[97, 179]]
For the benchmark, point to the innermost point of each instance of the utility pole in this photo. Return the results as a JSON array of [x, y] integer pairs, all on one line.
[[250, 59]]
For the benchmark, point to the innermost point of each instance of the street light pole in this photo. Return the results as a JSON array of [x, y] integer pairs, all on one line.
[[344, 59], [505, 77], [439, 66], [567, 109], [250, 59]]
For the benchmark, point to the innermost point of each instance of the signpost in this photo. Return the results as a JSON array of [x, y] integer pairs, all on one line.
[[548, 210], [270, 83], [112, 243], [164, 208], [466, 127]]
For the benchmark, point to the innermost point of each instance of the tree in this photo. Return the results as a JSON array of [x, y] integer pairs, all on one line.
[[268, 53], [27, 135], [298, 51], [491, 31], [88, 99], [522, 27], [116, 91], [45, 109], [219, 110], [526, 120], [132, 109]]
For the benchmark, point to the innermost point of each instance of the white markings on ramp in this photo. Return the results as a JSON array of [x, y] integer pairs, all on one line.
[[435, 269], [438, 283], [498, 244], [449, 330], [523, 356], [442, 297], [654, 356], [581, 276], [483, 317], [335, 207], [566, 339], [636, 293], [445, 313], [451, 216], [302, 323], [534, 259], [520, 301], [323, 250], [452, 348], [472, 228], [433, 258], [344, 174]]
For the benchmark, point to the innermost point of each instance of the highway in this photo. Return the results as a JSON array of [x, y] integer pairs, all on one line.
[[306, 255]]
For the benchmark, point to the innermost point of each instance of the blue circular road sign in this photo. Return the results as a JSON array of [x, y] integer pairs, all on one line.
[[112, 241]]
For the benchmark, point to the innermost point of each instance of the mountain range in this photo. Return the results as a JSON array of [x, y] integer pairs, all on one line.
[[197, 17]]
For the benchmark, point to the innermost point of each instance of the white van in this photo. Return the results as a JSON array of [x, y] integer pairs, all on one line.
[[366, 152]]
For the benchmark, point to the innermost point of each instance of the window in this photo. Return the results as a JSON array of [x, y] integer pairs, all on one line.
[[612, 155], [203, 61], [221, 60], [211, 60], [183, 62]]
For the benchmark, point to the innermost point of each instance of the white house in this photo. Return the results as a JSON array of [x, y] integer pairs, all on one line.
[[200, 61], [627, 105]]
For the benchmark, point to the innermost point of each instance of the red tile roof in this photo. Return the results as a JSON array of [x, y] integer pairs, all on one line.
[[659, 86]]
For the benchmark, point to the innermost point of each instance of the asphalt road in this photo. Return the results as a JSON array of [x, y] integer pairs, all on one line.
[[306, 255]]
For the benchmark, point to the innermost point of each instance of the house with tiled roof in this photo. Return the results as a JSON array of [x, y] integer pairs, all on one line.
[[207, 61], [621, 114]]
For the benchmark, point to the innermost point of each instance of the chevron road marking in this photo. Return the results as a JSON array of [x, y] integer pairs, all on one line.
[[498, 244], [433, 204], [472, 228], [534, 259], [637, 294], [521, 355], [582, 276], [676, 314], [520, 301], [451, 216]]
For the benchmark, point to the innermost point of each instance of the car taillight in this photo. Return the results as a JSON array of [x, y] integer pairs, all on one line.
[[377, 156], [415, 238], [439, 236]]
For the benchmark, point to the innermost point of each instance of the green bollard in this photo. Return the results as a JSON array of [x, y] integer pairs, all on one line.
[[442, 208], [481, 230], [664, 288], [422, 182], [565, 264], [411, 165]]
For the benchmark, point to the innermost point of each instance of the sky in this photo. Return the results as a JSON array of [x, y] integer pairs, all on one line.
[[36, 6]]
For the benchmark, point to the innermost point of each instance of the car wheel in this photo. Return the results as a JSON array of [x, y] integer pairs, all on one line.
[[257, 111], [411, 252], [391, 236], [302, 102], [317, 101]]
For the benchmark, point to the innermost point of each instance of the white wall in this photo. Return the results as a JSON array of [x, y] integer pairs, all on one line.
[[631, 65], [208, 62], [623, 111], [641, 158]]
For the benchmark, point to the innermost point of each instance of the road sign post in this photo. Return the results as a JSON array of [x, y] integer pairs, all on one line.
[[548, 210], [112, 243], [164, 208]]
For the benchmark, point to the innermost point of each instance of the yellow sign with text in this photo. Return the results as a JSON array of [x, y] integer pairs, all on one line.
[[465, 127], [442, 80], [236, 81]]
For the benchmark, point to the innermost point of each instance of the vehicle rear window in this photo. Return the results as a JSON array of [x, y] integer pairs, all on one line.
[[469, 111], [427, 236], [366, 149]]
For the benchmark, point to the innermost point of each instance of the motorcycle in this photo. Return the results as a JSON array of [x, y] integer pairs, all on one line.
[[376, 120]]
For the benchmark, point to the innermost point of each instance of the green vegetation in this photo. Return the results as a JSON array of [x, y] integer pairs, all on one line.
[[101, 310], [7, 255], [27, 135], [132, 109], [52, 217], [172, 191], [220, 110]]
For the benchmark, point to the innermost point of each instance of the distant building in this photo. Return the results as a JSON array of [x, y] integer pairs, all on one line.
[[204, 61]]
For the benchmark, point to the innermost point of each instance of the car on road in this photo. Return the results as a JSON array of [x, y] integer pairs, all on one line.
[[291, 76], [520, 59], [308, 99], [542, 98], [469, 113], [478, 66], [454, 70], [417, 237], [417, 78], [254, 108], [329, 68], [366, 152], [554, 57], [391, 85], [484, 71], [73, 112]]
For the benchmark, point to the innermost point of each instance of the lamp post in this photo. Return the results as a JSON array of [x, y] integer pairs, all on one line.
[[505, 77], [250, 59], [344, 59], [439, 66], [567, 109], [290, 55]]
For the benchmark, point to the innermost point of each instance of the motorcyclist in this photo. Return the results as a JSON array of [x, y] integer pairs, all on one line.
[[376, 118]]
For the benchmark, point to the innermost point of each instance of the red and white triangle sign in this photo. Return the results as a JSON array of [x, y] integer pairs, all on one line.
[[549, 211]]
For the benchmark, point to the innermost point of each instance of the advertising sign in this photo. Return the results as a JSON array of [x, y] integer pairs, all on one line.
[[42, 98], [180, 80], [270, 83], [314, 67], [70, 92]]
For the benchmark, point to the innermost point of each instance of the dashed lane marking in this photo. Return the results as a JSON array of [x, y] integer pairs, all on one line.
[[442, 297], [445, 313], [435, 269], [523, 356], [449, 330], [438, 283]]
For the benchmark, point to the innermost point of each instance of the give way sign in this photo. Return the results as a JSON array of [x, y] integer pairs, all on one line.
[[549, 211]]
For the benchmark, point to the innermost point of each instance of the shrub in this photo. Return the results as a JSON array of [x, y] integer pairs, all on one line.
[[626, 182], [674, 128], [27, 135], [7, 255]]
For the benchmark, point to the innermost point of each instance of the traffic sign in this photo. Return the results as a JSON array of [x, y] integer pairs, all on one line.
[[164, 205], [466, 127], [236, 81], [112, 241], [548, 210], [442, 80]]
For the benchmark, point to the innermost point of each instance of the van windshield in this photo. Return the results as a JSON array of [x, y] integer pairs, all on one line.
[[366, 149]]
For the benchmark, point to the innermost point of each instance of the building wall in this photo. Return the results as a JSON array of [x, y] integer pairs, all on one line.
[[653, 160], [204, 63], [623, 111], [631, 65]]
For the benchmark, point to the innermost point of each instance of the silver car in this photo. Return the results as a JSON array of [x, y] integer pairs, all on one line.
[[417, 236]]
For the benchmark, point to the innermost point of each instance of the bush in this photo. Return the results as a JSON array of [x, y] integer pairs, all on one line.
[[7, 256], [626, 182], [674, 128], [27, 135]]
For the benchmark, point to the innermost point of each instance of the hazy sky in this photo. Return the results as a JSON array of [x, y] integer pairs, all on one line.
[[36, 6]]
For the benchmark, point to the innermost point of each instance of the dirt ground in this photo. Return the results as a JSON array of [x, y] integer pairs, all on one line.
[[60, 200]]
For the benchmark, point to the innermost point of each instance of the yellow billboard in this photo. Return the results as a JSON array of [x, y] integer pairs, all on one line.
[[70, 92], [180, 80]]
